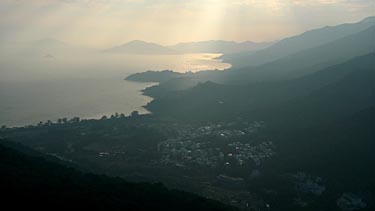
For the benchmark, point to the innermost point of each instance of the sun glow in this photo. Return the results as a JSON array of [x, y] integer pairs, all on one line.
[[99, 23]]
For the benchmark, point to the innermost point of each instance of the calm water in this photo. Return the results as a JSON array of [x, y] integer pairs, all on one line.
[[38, 86]]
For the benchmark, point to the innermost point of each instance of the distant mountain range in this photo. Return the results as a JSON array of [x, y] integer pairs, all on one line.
[[314, 54], [300, 64], [214, 46], [240, 54], [294, 44], [312, 59], [141, 47], [219, 46]]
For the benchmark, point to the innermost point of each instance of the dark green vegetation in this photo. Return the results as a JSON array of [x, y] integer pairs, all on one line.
[[294, 131], [38, 181], [153, 76], [143, 148], [334, 92]]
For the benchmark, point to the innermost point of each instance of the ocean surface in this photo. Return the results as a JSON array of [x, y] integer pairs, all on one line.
[[39, 85]]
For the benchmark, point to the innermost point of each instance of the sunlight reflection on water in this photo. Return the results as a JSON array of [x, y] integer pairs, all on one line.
[[34, 88]]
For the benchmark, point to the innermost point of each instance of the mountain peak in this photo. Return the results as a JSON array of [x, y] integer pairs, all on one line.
[[141, 47], [300, 42], [369, 19], [138, 42]]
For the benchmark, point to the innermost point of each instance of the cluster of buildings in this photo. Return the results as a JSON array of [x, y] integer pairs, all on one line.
[[225, 129], [229, 130], [244, 153], [182, 152], [199, 146]]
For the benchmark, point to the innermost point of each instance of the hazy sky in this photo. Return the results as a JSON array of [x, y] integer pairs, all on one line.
[[104, 23]]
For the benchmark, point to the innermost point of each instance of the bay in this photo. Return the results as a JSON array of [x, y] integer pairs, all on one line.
[[38, 87]]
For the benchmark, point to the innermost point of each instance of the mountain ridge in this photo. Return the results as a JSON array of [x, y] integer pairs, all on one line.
[[141, 47], [293, 44], [219, 46]]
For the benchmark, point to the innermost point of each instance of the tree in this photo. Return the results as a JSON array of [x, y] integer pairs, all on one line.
[[48, 123], [75, 120], [134, 114]]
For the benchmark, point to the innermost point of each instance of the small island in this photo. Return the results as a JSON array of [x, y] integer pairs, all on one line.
[[154, 76]]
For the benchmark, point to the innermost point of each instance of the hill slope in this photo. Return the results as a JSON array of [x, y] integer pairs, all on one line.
[[36, 182], [291, 45], [351, 81], [314, 59]]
